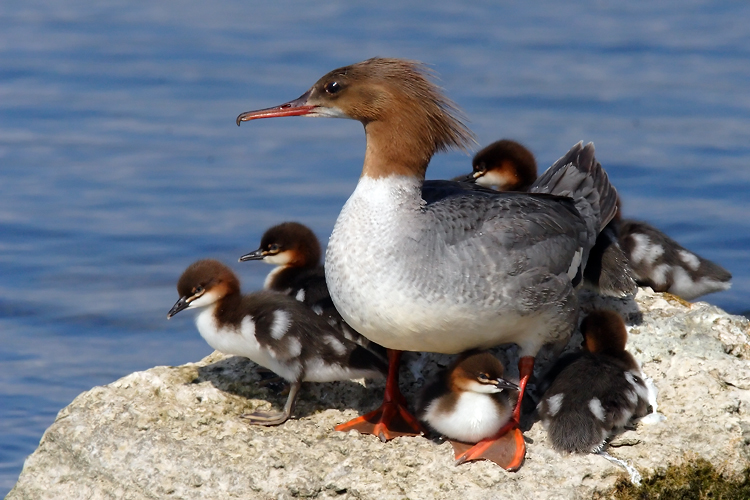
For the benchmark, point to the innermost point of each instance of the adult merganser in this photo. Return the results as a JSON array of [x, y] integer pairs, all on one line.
[[273, 330], [652, 258], [468, 269], [594, 393], [471, 401], [295, 250]]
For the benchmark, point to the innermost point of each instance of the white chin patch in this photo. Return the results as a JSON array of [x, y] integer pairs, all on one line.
[[280, 259], [328, 113], [493, 178], [204, 300], [474, 386]]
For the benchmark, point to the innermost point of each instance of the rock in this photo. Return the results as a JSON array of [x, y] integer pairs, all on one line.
[[174, 432]]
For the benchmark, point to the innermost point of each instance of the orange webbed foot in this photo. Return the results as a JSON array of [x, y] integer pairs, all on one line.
[[389, 421], [508, 450]]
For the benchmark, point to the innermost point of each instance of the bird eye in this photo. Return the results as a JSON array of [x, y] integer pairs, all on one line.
[[273, 248], [198, 290], [332, 87], [483, 377]]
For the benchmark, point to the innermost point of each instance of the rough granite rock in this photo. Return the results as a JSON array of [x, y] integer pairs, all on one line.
[[173, 432]]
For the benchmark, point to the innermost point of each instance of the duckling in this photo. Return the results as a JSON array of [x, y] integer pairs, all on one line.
[[505, 165], [661, 263], [595, 393], [469, 402], [295, 250], [273, 330]]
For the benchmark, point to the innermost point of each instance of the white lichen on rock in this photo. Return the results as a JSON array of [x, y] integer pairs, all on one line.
[[174, 432]]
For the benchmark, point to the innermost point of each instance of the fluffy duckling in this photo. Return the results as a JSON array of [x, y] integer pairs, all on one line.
[[295, 251], [273, 330], [469, 402], [593, 394], [663, 264]]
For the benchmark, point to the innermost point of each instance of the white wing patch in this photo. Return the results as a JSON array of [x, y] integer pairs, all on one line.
[[690, 259], [335, 344], [300, 295], [280, 325], [575, 263], [596, 408], [554, 404], [644, 250]]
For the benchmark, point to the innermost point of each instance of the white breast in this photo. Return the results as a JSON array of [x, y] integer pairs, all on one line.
[[474, 417], [389, 283], [242, 342]]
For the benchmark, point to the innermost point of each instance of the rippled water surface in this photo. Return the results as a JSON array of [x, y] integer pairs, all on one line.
[[120, 162]]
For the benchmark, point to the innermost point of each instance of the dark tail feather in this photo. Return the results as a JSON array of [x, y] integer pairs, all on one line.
[[573, 432], [608, 269], [579, 176]]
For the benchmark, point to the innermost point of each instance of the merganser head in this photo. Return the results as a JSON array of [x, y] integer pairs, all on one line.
[[505, 164], [203, 283], [406, 117], [287, 244], [604, 332], [481, 372]]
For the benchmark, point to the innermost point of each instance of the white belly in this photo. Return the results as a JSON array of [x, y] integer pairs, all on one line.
[[242, 342], [475, 417]]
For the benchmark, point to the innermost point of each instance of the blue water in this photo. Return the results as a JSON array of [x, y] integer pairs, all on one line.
[[120, 162]]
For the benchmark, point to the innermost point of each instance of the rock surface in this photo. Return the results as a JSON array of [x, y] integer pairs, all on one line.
[[173, 432]]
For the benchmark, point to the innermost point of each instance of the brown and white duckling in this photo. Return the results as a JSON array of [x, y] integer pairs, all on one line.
[[295, 251], [595, 393], [470, 401], [271, 329], [504, 165]]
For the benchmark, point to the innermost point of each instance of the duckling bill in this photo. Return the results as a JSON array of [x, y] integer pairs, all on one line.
[[273, 330]]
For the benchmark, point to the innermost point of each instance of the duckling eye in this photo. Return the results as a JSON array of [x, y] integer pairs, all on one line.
[[198, 290], [332, 87], [273, 248], [483, 378]]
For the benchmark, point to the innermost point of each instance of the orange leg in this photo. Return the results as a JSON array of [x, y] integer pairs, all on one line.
[[506, 448], [392, 419]]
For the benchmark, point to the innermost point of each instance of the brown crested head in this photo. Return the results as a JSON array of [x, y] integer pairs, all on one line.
[[476, 369], [297, 239], [506, 164], [407, 118], [205, 276], [604, 332]]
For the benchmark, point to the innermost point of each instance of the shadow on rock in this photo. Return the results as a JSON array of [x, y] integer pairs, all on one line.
[[241, 377]]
